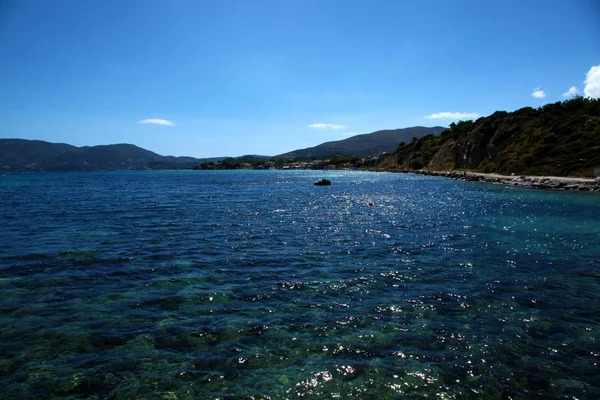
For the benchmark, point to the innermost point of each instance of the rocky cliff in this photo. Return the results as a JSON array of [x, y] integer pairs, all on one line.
[[560, 139]]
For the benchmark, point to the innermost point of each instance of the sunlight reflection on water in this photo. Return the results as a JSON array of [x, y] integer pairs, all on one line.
[[207, 285]]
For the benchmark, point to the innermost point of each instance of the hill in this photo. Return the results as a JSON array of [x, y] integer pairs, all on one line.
[[364, 145], [559, 139], [20, 155]]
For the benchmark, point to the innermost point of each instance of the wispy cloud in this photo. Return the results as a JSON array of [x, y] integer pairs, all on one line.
[[349, 133], [538, 93], [592, 83], [157, 121], [571, 92], [320, 125], [452, 115]]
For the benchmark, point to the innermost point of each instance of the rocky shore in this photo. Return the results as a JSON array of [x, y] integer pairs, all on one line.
[[539, 182]]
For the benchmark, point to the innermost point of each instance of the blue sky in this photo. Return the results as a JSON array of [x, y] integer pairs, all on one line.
[[232, 77]]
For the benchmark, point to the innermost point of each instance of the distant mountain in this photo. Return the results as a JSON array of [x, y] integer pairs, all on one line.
[[20, 155], [366, 144], [560, 139]]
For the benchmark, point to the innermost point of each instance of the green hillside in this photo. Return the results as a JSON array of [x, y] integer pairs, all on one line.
[[560, 139]]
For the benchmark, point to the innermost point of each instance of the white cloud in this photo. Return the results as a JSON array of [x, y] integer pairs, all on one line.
[[452, 115], [592, 83], [538, 93], [157, 121], [320, 125], [571, 92], [349, 133]]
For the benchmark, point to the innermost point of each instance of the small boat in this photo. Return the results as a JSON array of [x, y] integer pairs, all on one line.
[[323, 182]]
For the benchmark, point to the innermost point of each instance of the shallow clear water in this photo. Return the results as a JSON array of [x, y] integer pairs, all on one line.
[[221, 284]]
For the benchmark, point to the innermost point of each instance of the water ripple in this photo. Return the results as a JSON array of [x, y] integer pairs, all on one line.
[[181, 284]]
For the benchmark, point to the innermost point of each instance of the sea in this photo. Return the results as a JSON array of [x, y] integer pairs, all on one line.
[[261, 285]]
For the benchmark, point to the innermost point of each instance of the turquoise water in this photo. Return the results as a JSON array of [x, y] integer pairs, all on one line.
[[243, 284]]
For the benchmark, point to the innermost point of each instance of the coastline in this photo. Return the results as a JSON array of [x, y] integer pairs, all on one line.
[[536, 182]]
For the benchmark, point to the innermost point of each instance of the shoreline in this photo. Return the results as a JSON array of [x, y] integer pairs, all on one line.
[[528, 181]]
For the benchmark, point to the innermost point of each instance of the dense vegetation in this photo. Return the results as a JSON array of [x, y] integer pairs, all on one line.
[[261, 162], [243, 162], [559, 139]]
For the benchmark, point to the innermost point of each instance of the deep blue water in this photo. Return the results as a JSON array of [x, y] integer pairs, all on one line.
[[236, 284]]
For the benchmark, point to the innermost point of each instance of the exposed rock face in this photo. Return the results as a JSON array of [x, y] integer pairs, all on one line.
[[560, 139]]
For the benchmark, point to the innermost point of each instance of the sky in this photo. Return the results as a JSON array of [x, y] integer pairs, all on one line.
[[208, 78]]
